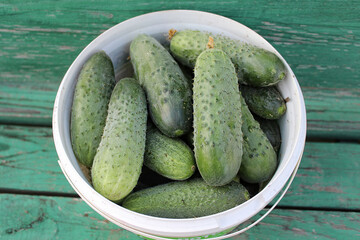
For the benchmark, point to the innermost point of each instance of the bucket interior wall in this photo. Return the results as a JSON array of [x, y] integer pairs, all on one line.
[[115, 42]]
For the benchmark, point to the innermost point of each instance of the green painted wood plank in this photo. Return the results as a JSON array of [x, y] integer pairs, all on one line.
[[305, 224], [327, 177], [320, 40], [39, 217], [28, 105], [34, 217], [332, 113], [28, 160]]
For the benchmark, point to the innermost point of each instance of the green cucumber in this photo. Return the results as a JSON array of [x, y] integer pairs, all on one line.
[[119, 158], [272, 130], [217, 118], [89, 109], [186, 199], [254, 66], [167, 89], [265, 102], [169, 157], [259, 160]]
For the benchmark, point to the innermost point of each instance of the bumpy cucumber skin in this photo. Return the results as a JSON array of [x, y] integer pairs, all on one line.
[[187, 45], [169, 157], [259, 160], [217, 118], [89, 109], [168, 90], [119, 158], [265, 102], [186, 199], [272, 131], [254, 66]]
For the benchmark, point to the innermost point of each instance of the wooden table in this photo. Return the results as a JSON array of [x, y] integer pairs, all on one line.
[[40, 39]]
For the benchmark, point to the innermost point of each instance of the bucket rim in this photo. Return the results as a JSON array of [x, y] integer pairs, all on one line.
[[161, 226]]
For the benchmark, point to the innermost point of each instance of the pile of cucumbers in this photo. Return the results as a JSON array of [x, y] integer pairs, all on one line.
[[175, 143]]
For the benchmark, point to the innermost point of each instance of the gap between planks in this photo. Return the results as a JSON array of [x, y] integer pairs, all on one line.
[[38, 193]]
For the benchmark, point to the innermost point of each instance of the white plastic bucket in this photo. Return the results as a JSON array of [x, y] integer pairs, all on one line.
[[115, 42]]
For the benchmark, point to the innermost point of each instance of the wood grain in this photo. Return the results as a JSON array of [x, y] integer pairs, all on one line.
[[34, 217], [328, 177], [39, 40], [28, 160], [305, 224], [39, 217], [332, 113]]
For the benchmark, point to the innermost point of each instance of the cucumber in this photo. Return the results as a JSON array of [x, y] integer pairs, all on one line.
[[272, 131], [186, 199], [254, 66], [119, 158], [167, 89], [259, 160], [265, 102], [169, 157], [89, 109], [217, 118]]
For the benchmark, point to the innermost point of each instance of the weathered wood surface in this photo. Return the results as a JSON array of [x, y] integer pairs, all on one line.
[[320, 40], [328, 176], [28, 160], [333, 113], [40, 39], [39, 217]]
